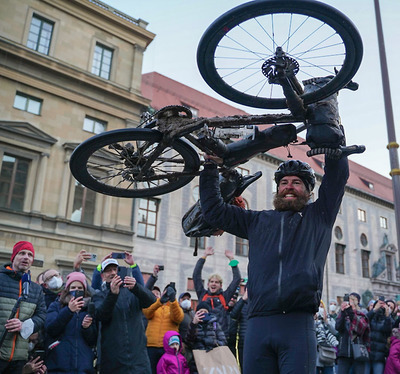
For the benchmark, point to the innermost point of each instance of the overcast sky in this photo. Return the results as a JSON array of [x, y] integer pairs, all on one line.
[[179, 25]]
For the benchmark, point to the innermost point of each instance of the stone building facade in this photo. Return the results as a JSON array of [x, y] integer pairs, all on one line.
[[71, 69]]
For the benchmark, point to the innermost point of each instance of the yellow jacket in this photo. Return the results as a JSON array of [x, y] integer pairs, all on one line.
[[162, 318]]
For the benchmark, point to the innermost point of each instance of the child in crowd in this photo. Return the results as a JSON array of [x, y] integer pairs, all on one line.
[[172, 361], [392, 365]]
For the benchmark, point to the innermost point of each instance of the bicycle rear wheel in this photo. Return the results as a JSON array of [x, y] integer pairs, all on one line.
[[113, 163], [236, 48]]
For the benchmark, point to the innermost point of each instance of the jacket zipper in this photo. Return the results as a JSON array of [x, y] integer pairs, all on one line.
[[280, 257]]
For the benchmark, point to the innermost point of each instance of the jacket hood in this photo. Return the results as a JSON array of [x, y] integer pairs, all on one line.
[[6, 268], [166, 338]]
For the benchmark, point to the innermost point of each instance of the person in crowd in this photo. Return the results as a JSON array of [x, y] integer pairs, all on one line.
[[118, 308], [52, 285], [285, 290], [165, 314], [325, 338], [151, 281], [97, 279], [172, 361], [392, 365], [392, 309], [39, 278], [231, 337], [380, 322], [29, 317], [188, 315], [352, 326], [71, 328], [333, 309], [214, 294], [204, 332], [240, 314], [370, 305]]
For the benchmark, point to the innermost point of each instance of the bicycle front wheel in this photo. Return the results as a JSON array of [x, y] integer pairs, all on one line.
[[115, 163], [235, 51]]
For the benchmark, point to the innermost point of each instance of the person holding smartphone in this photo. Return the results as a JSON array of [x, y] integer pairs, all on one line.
[[72, 331]]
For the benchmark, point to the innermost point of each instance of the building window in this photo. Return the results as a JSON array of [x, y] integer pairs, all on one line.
[[201, 242], [84, 204], [242, 247], [94, 125], [338, 233], [13, 181], [383, 222], [147, 219], [339, 256], [102, 61], [190, 284], [362, 215], [28, 103], [389, 267], [364, 240], [40, 33], [365, 263]]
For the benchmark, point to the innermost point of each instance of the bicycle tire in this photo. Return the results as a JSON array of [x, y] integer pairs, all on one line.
[[99, 164], [233, 24]]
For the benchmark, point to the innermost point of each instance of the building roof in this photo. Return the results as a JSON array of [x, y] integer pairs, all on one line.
[[163, 91]]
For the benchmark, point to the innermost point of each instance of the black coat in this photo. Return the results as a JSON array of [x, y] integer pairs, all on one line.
[[240, 314], [381, 329], [123, 339]]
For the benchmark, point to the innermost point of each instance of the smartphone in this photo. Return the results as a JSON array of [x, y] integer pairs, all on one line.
[[206, 317], [122, 272], [346, 298], [160, 267], [172, 284], [93, 257], [118, 255], [39, 353], [78, 293], [91, 309]]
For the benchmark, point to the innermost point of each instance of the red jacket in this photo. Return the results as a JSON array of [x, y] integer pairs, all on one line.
[[172, 362], [392, 365]]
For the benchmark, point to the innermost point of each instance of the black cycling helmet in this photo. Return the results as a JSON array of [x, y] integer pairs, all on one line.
[[299, 169]]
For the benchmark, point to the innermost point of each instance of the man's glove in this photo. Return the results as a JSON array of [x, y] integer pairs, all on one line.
[[171, 294], [164, 298]]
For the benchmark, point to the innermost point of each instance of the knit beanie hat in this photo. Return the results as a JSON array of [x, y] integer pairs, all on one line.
[[76, 276], [20, 246], [357, 296], [174, 339], [203, 305]]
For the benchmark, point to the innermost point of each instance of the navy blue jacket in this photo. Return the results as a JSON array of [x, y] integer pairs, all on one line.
[[123, 339], [74, 354], [381, 329], [287, 249]]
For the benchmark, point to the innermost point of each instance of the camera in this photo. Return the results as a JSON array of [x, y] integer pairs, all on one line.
[[93, 257], [118, 255], [160, 267], [346, 298]]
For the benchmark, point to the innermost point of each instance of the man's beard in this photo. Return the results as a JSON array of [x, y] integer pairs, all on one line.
[[282, 204]]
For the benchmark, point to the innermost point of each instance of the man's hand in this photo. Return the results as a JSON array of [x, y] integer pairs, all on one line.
[[87, 321], [209, 251], [13, 325], [198, 317], [80, 257], [34, 365], [229, 254], [345, 305], [156, 269], [115, 284], [129, 258], [76, 304], [129, 282]]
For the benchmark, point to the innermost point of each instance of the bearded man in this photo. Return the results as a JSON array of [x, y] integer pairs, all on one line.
[[287, 254]]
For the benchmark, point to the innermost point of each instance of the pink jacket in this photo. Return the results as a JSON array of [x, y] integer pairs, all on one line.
[[172, 362], [392, 365]]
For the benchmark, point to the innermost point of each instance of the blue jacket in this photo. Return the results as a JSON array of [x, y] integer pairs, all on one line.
[[381, 329], [74, 354], [287, 249]]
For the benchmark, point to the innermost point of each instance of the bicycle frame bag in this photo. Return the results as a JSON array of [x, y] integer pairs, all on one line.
[[232, 184]]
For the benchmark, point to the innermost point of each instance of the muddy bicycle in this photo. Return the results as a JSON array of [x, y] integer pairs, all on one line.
[[270, 54]]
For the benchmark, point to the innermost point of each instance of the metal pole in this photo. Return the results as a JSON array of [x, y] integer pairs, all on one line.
[[393, 145]]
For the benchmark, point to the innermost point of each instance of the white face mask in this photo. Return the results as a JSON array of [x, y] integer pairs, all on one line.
[[332, 307], [321, 312], [55, 283], [186, 304]]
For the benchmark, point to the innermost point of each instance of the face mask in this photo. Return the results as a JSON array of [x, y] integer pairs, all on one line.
[[321, 312], [332, 307], [186, 304], [55, 283]]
